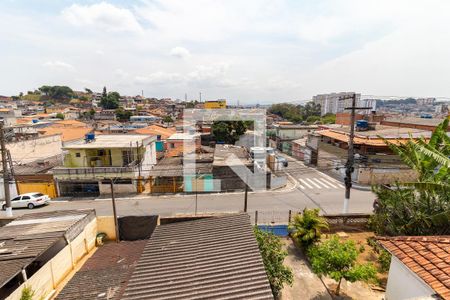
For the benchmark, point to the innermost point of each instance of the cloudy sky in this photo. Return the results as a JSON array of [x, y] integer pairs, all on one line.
[[252, 51]]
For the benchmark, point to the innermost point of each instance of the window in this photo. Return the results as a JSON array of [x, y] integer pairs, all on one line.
[[38, 195], [172, 145], [26, 198], [101, 152], [16, 199], [77, 154]]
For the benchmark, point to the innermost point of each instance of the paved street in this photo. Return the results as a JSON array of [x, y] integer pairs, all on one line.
[[308, 188]]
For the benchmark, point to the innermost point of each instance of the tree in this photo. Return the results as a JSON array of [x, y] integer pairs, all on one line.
[[228, 131], [337, 260], [60, 116], [89, 91], [420, 207], [306, 228], [27, 293], [273, 255], [312, 119], [110, 101], [329, 118], [57, 92], [167, 119], [123, 115]]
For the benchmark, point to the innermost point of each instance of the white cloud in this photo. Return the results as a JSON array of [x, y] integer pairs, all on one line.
[[103, 16], [180, 52], [160, 78], [56, 64]]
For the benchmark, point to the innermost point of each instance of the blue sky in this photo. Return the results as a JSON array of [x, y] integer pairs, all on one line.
[[251, 51]]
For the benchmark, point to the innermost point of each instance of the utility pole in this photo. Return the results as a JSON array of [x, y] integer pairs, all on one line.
[[196, 195], [5, 172], [116, 225], [351, 153], [200, 97], [246, 193]]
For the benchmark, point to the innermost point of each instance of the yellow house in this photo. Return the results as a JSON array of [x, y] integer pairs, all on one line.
[[90, 165], [216, 104]]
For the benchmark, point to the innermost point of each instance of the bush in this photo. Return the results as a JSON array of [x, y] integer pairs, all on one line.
[[27, 293], [306, 228], [337, 260], [273, 255]]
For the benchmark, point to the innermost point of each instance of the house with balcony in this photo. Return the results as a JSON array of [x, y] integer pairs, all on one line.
[[90, 164]]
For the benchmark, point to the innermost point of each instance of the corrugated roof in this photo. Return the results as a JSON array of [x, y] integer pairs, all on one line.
[[362, 139], [29, 236], [106, 273], [212, 258], [427, 256], [113, 141]]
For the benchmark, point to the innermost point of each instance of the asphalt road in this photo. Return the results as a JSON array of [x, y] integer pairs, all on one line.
[[307, 188]]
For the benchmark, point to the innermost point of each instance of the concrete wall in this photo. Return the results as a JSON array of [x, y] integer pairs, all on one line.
[[45, 281], [12, 189], [106, 225], [385, 176], [119, 188], [404, 284], [27, 151]]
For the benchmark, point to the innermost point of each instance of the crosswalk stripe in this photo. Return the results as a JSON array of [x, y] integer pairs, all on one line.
[[301, 186], [305, 183], [328, 182], [316, 185], [335, 181], [320, 182]]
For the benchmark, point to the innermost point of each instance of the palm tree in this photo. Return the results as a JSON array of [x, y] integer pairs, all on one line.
[[306, 228], [421, 207]]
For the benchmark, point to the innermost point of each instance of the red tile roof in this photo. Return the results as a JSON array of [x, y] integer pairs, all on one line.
[[427, 256]]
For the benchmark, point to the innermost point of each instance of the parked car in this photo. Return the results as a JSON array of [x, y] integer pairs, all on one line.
[[30, 200]]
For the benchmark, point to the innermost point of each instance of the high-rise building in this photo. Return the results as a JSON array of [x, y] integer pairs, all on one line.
[[333, 103]]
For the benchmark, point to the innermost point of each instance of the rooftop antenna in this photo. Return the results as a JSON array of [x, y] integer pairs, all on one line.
[[185, 97], [200, 97], [142, 93]]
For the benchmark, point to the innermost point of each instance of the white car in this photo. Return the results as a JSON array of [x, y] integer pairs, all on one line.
[[30, 200]]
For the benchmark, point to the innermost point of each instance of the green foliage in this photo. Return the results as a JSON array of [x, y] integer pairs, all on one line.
[[60, 116], [421, 207], [167, 119], [384, 259], [110, 100], [312, 119], [228, 131], [296, 113], [89, 91], [123, 115], [306, 228], [27, 293], [273, 255], [337, 260], [329, 119], [57, 92]]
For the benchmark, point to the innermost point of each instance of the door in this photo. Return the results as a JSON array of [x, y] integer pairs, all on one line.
[[24, 201], [15, 202]]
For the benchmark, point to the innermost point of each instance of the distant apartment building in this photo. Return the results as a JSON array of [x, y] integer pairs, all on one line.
[[337, 102], [216, 104], [90, 165], [425, 101]]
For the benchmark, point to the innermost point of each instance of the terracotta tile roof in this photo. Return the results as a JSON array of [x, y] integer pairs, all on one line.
[[63, 123], [67, 133], [156, 130], [427, 256], [370, 141]]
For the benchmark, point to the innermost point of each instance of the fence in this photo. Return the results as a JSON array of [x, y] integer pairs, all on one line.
[[274, 219]]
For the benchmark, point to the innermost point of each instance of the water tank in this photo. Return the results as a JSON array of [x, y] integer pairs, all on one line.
[[362, 124], [90, 136], [34, 121]]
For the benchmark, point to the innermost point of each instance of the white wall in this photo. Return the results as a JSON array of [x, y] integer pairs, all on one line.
[[38, 148], [405, 284], [12, 189]]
